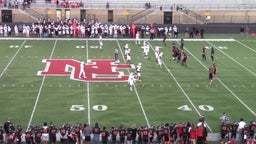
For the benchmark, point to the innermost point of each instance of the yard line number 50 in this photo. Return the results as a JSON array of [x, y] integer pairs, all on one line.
[[95, 107]]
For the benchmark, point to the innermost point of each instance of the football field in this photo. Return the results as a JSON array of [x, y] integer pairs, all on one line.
[[39, 82]]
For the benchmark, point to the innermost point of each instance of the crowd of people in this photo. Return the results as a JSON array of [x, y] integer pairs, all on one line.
[[168, 133], [84, 133], [90, 29], [237, 131]]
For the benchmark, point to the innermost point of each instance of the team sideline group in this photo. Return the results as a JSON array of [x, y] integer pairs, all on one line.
[[231, 132]]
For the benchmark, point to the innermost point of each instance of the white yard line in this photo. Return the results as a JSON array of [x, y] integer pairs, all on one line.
[[138, 97], [40, 90], [88, 87], [254, 74], [12, 59], [223, 84], [182, 90], [246, 46]]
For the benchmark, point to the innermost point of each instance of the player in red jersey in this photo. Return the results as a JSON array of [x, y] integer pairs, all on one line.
[[210, 75], [18, 134], [233, 130], [204, 54], [37, 136], [224, 133], [52, 135], [252, 127], [145, 135], [114, 133], [1, 134], [214, 70], [104, 135], [184, 60], [122, 133], [181, 44]]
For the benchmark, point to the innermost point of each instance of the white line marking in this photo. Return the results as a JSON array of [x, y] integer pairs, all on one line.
[[111, 39], [88, 87], [39, 92], [233, 59], [223, 84], [182, 90], [138, 97], [246, 46], [12, 59]]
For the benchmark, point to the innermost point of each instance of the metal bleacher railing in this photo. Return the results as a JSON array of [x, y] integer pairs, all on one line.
[[139, 5], [188, 8]]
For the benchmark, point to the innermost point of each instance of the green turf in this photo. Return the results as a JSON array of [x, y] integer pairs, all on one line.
[[159, 98]]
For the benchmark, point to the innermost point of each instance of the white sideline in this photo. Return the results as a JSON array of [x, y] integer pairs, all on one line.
[[111, 39]]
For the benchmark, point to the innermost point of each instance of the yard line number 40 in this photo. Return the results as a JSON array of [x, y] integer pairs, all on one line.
[[104, 108]]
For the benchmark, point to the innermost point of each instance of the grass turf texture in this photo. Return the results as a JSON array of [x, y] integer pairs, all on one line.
[[161, 96]]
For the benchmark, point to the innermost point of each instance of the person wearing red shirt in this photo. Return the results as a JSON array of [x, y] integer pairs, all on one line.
[[192, 133]]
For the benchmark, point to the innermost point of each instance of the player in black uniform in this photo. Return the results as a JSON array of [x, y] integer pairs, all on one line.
[[104, 135], [204, 54], [212, 54]]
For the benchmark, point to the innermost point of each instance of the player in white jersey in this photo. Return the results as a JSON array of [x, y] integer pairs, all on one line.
[[160, 60], [82, 71], [5, 30], [157, 52], [128, 56], [16, 31], [126, 47], [116, 52], [100, 42], [137, 41], [131, 81], [138, 71], [145, 49]]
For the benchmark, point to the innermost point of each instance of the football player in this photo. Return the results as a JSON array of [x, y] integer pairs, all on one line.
[[82, 72], [210, 75], [145, 49], [131, 81], [138, 71], [137, 41], [204, 54], [160, 59], [100, 43]]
